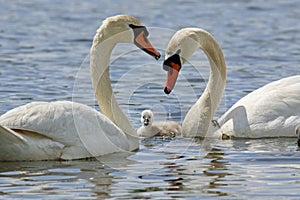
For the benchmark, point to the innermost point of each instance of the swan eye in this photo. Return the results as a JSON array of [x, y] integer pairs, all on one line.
[[175, 59]]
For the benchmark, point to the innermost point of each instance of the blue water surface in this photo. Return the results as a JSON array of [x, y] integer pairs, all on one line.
[[44, 52]]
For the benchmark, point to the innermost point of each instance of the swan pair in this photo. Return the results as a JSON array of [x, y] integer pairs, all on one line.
[[69, 130]]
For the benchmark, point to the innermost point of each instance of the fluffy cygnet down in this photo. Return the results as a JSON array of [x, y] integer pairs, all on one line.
[[297, 130], [163, 128]]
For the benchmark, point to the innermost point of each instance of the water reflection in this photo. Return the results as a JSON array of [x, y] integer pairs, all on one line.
[[170, 167], [217, 170], [187, 168], [68, 179], [54, 37]]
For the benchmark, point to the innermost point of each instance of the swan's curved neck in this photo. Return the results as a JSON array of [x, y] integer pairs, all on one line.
[[199, 117], [99, 65]]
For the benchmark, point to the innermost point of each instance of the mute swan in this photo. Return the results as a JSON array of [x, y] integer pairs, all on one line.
[[69, 130], [150, 128], [270, 111]]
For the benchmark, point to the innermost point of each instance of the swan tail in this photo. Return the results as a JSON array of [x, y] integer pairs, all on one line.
[[21, 145], [8, 136]]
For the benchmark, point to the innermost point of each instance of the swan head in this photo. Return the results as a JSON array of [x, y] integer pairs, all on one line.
[[181, 46], [125, 29], [147, 117]]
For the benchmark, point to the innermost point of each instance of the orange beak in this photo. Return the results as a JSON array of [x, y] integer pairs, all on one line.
[[173, 66], [143, 43], [172, 75]]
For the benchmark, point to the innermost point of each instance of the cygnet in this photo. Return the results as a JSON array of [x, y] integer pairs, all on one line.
[[163, 128]]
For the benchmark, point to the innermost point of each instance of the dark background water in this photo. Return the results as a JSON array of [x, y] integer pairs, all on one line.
[[44, 48]]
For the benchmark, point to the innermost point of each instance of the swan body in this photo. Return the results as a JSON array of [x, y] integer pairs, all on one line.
[[68, 130], [150, 128], [61, 129], [270, 111]]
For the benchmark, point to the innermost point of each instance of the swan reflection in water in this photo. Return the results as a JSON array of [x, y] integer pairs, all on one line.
[[201, 169]]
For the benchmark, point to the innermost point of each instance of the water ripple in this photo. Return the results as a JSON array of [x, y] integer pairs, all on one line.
[[44, 57]]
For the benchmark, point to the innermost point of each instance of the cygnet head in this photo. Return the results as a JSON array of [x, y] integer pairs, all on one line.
[[147, 118]]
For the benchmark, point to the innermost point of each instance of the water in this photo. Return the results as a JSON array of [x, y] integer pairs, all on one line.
[[44, 49]]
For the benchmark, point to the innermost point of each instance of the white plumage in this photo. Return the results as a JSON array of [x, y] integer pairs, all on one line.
[[58, 130], [270, 111], [68, 130], [150, 128]]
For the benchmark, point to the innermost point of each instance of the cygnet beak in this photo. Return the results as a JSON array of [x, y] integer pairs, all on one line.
[[146, 122]]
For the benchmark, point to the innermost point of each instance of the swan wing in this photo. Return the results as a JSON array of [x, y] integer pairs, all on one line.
[[77, 129], [270, 111], [26, 145]]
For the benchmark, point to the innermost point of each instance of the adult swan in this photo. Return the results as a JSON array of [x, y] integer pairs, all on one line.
[[68, 130], [270, 111]]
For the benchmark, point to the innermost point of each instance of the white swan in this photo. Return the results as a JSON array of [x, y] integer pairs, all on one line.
[[68, 130], [270, 111], [150, 128]]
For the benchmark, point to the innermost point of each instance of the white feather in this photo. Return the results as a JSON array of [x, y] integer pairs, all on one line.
[[270, 111], [68, 130]]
